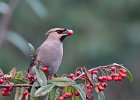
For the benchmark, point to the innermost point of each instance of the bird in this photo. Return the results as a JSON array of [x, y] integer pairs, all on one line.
[[50, 53]]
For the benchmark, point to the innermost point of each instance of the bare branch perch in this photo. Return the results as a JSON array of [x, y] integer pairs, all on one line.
[[5, 21]]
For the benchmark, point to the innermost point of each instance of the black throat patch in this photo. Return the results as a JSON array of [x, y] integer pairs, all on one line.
[[62, 38]]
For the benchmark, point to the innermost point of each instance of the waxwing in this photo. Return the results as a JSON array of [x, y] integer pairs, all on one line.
[[50, 53]]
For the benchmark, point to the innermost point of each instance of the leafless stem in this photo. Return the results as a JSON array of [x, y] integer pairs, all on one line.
[[91, 70], [18, 85], [5, 21]]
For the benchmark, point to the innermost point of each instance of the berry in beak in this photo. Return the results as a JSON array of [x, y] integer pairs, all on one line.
[[69, 32]]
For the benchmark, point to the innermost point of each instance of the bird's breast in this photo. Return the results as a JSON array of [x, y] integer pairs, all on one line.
[[50, 54]]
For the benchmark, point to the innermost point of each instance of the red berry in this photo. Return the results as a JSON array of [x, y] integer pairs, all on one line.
[[76, 93], [104, 84], [78, 73], [30, 76], [114, 75], [115, 78], [89, 86], [60, 98], [5, 89], [100, 79], [120, 78], [104, 77], [1, 81], [101, 88], [94, 72], [5, 93], [90, 91], [45, 69], [109, 78], [73, 78], [70, 32], [65, 95], [1, 74], [113, 68], [25, 93], [69, 95], [123, 75], [123, 70], [71, 75], [11, 88]]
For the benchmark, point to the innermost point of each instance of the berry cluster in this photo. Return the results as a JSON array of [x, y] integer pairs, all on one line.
[[1, 78], [25, 93], [7, 90], [95, 79], [68, 95], [116, 75], [103, 75], [31, 76], [112, 73]]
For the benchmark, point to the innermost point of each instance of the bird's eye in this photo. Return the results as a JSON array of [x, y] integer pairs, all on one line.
[[59, 31]]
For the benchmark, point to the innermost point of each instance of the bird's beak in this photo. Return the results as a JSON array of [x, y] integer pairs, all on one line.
[[68, 32]]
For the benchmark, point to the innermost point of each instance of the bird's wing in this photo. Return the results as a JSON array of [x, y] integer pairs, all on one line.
[[37, 50], [32, 61]]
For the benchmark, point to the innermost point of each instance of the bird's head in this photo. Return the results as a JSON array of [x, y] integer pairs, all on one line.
[[59, 33]]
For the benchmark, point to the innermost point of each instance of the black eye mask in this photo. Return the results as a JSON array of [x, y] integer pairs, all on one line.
[[60, 31]]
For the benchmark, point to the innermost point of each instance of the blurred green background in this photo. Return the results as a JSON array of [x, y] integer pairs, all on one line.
[[105, 31]]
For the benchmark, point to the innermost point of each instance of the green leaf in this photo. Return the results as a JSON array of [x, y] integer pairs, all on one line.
[[101, 96], [62, 81], [41, 77], [1, 71], [128, 73], [19, 75], [33, 53], [43, 90], [80, 89], [18, 81], [71, 89], [33, 89], [54, 94], [75, 97]]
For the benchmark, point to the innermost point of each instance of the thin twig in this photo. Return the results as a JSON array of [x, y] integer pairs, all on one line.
[[18, 85], [82, 74]]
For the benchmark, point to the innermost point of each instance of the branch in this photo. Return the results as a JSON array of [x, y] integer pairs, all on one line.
[[91, 70], [5, 21], [18, 85]]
